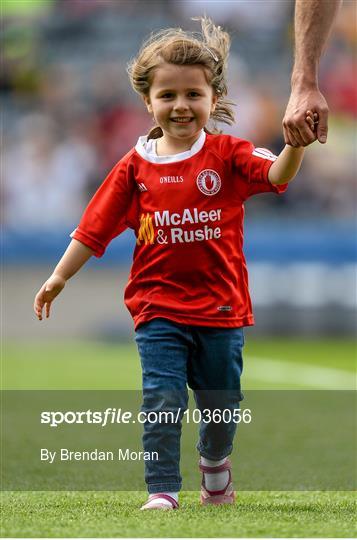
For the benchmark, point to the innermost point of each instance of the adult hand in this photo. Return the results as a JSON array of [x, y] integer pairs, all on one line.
[[297, 131], [48, 292]]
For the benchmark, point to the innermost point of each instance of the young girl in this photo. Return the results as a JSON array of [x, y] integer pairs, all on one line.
[[182, 190]]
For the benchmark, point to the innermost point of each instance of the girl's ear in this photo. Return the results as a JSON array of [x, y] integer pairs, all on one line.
[[148, 104], [214, 103]]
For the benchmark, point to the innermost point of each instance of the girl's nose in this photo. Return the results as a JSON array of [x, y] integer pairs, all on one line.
[[180, 105]]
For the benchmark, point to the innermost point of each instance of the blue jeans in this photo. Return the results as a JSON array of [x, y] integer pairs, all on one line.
[[209, 361]]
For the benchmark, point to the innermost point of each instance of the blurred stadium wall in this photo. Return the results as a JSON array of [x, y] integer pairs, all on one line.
[[69, 115]]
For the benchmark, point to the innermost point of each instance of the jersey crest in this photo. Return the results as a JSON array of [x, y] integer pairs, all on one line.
[[208, 182]]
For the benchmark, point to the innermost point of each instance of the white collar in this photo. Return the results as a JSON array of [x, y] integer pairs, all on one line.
[[147, 150]]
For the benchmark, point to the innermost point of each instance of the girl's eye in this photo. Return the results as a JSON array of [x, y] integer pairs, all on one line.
[[193, 94], [167, 95]]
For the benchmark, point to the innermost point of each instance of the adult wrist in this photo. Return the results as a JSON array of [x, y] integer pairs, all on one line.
[[304, 79]]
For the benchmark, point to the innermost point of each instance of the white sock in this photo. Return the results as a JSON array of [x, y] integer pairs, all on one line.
[[173, 494], [215, 481]]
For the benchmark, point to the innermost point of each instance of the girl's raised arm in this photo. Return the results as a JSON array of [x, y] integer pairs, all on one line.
[[75, 256]]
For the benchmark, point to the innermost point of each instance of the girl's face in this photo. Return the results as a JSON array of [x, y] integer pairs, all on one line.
[[181, 101]]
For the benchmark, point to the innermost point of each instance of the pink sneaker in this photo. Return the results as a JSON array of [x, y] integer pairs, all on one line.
[[151, 505], [222, 496]]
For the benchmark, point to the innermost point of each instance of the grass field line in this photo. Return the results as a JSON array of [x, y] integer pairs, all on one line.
[[317, 377]]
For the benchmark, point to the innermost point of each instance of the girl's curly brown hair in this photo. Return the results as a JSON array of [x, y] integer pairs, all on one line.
[[210, 49]]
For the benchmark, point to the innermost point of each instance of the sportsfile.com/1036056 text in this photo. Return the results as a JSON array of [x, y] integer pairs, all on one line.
[[119, 416]]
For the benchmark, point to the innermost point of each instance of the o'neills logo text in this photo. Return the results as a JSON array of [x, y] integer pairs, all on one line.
[[171, 179], [166, 227]]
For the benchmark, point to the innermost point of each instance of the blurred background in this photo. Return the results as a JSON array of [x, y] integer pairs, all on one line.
[[69, 115]]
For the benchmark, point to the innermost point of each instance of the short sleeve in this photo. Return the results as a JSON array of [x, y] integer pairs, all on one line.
[[252, 165], [106, 214]]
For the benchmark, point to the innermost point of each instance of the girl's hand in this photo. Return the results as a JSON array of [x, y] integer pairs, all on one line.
[[48, 292], [312, 119]]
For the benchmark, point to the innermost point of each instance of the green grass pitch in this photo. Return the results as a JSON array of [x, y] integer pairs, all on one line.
[[116, 514]]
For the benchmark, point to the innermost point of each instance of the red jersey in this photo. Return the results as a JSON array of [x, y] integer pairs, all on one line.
[[187, 213]]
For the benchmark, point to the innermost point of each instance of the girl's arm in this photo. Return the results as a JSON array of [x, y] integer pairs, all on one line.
[[75, 256], [286, 166]]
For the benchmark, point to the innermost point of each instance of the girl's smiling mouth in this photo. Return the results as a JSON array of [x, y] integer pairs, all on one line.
[[182, 119]]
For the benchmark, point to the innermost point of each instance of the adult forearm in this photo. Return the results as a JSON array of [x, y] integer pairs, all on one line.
[[286, 166], [75, 256], [313, 22]]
